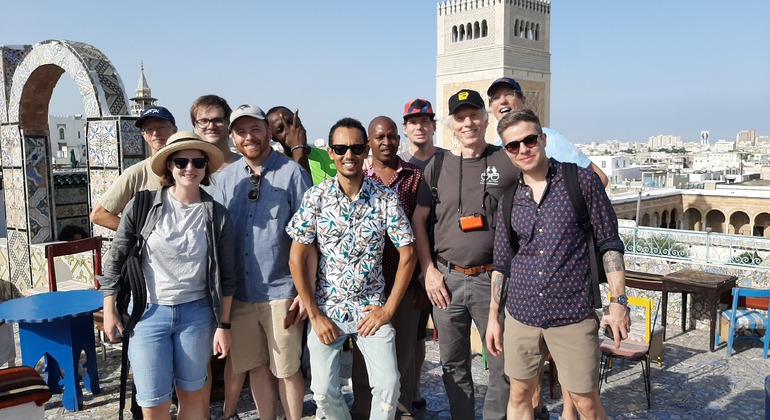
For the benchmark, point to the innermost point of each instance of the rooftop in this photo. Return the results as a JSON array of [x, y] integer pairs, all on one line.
[[692, 383]]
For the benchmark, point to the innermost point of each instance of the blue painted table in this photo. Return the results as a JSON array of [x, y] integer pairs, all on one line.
[[59, 326]]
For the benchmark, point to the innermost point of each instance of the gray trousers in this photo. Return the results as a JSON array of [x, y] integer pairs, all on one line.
[[469, 302]]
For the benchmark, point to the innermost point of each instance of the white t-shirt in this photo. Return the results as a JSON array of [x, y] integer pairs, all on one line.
[[174, 262]]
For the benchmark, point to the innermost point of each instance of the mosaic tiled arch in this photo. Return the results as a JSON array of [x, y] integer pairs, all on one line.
[[29, 75], [95, 77]]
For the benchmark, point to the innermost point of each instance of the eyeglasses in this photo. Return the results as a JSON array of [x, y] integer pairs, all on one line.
[[529, 141], [341, 149], [197, 163], [204, 122], [497, 96], [159, 130], [256, 180]]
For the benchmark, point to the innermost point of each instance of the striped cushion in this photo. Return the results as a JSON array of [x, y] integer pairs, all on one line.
[[746, 319], [628, 348], [20, 385]]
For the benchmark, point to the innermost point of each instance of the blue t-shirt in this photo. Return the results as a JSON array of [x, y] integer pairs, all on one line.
[[558, 147], [261, 240]]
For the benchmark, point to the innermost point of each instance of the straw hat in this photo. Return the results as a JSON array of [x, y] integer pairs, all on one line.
[[186, 140]]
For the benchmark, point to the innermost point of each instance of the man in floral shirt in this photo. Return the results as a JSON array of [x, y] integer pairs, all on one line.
[[349, 216]]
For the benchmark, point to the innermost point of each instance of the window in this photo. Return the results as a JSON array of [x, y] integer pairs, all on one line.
[[61, 133], [483, 28], [604, 164], [454, 34]]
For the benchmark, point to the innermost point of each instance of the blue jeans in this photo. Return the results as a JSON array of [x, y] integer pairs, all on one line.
[[379, 351], [171, 345]]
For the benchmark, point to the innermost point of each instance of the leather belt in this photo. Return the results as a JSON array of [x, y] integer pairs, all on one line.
[[468, 271]]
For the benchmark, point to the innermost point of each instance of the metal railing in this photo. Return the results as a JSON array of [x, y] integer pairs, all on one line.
[[697, 247]]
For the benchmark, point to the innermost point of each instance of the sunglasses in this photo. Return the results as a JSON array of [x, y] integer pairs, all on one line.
[[181, 163], [340, 149], [256, 180], [529, 141]]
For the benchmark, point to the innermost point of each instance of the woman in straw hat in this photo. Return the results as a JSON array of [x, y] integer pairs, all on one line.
[[189, 269]]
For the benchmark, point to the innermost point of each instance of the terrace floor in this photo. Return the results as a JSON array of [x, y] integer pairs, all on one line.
[[693, 383]]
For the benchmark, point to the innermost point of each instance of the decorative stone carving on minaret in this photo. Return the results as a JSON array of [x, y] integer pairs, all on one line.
[[143, 97], [482, 40]]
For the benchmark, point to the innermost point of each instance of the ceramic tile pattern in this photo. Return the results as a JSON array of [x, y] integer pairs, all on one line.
[[15, 204], [102, 142], [131, 140], [11, 57], [38, 185], [18, 255], [79, 267], [11, 146]]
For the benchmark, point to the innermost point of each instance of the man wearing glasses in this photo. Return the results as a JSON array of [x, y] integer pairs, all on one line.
[[262, 191], [473, 177], [549, 300], [157, 125], [349, 216], [210, 116]]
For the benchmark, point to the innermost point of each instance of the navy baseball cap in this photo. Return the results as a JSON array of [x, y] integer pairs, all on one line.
[[465, 97], [155, 112], [504, 81], [418, 106]]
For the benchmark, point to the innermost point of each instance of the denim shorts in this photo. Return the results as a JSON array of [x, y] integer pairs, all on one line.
[[171, 345]]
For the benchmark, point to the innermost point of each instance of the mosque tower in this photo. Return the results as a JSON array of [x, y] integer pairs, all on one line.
[[143, 97], [481, 40]]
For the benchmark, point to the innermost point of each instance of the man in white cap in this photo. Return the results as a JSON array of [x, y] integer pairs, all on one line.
[[262, 191]]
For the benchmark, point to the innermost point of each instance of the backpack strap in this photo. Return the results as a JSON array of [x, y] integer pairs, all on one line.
[[513, 239], [584, 220], [438, 160], [132, 277]]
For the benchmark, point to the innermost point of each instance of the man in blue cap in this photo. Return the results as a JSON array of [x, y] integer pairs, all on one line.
[[157, 125]]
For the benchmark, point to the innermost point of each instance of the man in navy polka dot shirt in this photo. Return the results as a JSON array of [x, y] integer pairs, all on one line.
[[549, 302]]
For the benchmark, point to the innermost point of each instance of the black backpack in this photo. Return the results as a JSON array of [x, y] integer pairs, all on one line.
[[132, 286], [584, 220]]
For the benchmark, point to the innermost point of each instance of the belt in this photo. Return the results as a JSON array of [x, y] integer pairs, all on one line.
[[468, 271]]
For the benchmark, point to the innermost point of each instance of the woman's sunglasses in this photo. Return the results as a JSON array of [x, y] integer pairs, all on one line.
[[341, 149], [529, 141], [181, 163]]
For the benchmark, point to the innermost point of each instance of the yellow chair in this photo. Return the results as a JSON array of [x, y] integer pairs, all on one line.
[[633, 348]]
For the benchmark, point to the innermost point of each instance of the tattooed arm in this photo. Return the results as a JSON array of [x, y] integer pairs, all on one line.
[[617, 317], [494, 334]]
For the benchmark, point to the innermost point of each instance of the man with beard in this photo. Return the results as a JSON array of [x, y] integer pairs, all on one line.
[[262, 191]]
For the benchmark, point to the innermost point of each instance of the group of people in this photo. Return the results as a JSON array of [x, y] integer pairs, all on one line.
[[238, 250]]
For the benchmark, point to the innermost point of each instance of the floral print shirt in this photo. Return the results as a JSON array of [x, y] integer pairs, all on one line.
[[351, 238]]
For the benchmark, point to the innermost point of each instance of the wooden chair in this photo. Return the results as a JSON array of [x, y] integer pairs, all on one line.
[[748, 317], [93, 244], [630, 349]]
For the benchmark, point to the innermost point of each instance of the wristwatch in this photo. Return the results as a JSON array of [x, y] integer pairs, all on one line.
[[621, 299]]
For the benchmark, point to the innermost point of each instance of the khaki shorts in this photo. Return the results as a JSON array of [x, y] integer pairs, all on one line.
[[574, 348], [259, 337]]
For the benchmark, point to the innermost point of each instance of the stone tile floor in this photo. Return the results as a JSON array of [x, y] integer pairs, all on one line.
[[693, 383]]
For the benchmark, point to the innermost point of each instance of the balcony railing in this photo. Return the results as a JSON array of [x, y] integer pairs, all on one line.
[[696, 247]]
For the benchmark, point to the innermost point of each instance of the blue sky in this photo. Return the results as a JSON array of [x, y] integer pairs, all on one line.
[[620, 70]]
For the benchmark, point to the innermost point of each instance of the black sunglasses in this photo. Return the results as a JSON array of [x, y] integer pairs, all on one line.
[[529, 141], [340, 149], [256, 180], [181, 163]]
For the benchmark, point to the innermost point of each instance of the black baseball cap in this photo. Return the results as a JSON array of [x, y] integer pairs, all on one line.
[[465, 97]]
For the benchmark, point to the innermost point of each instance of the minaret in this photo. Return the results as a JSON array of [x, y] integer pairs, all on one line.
[[482, 40], [143, 97]]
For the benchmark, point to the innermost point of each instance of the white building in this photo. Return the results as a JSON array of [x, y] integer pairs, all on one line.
[[68, 139], [723, 146], [618, 169], [664, 141]]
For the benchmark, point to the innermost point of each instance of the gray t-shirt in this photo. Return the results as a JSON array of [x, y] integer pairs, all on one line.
[[174, 262], [471, 248], [409, 158]]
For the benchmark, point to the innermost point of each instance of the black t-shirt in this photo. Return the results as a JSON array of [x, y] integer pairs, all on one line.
[[471, 248]]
